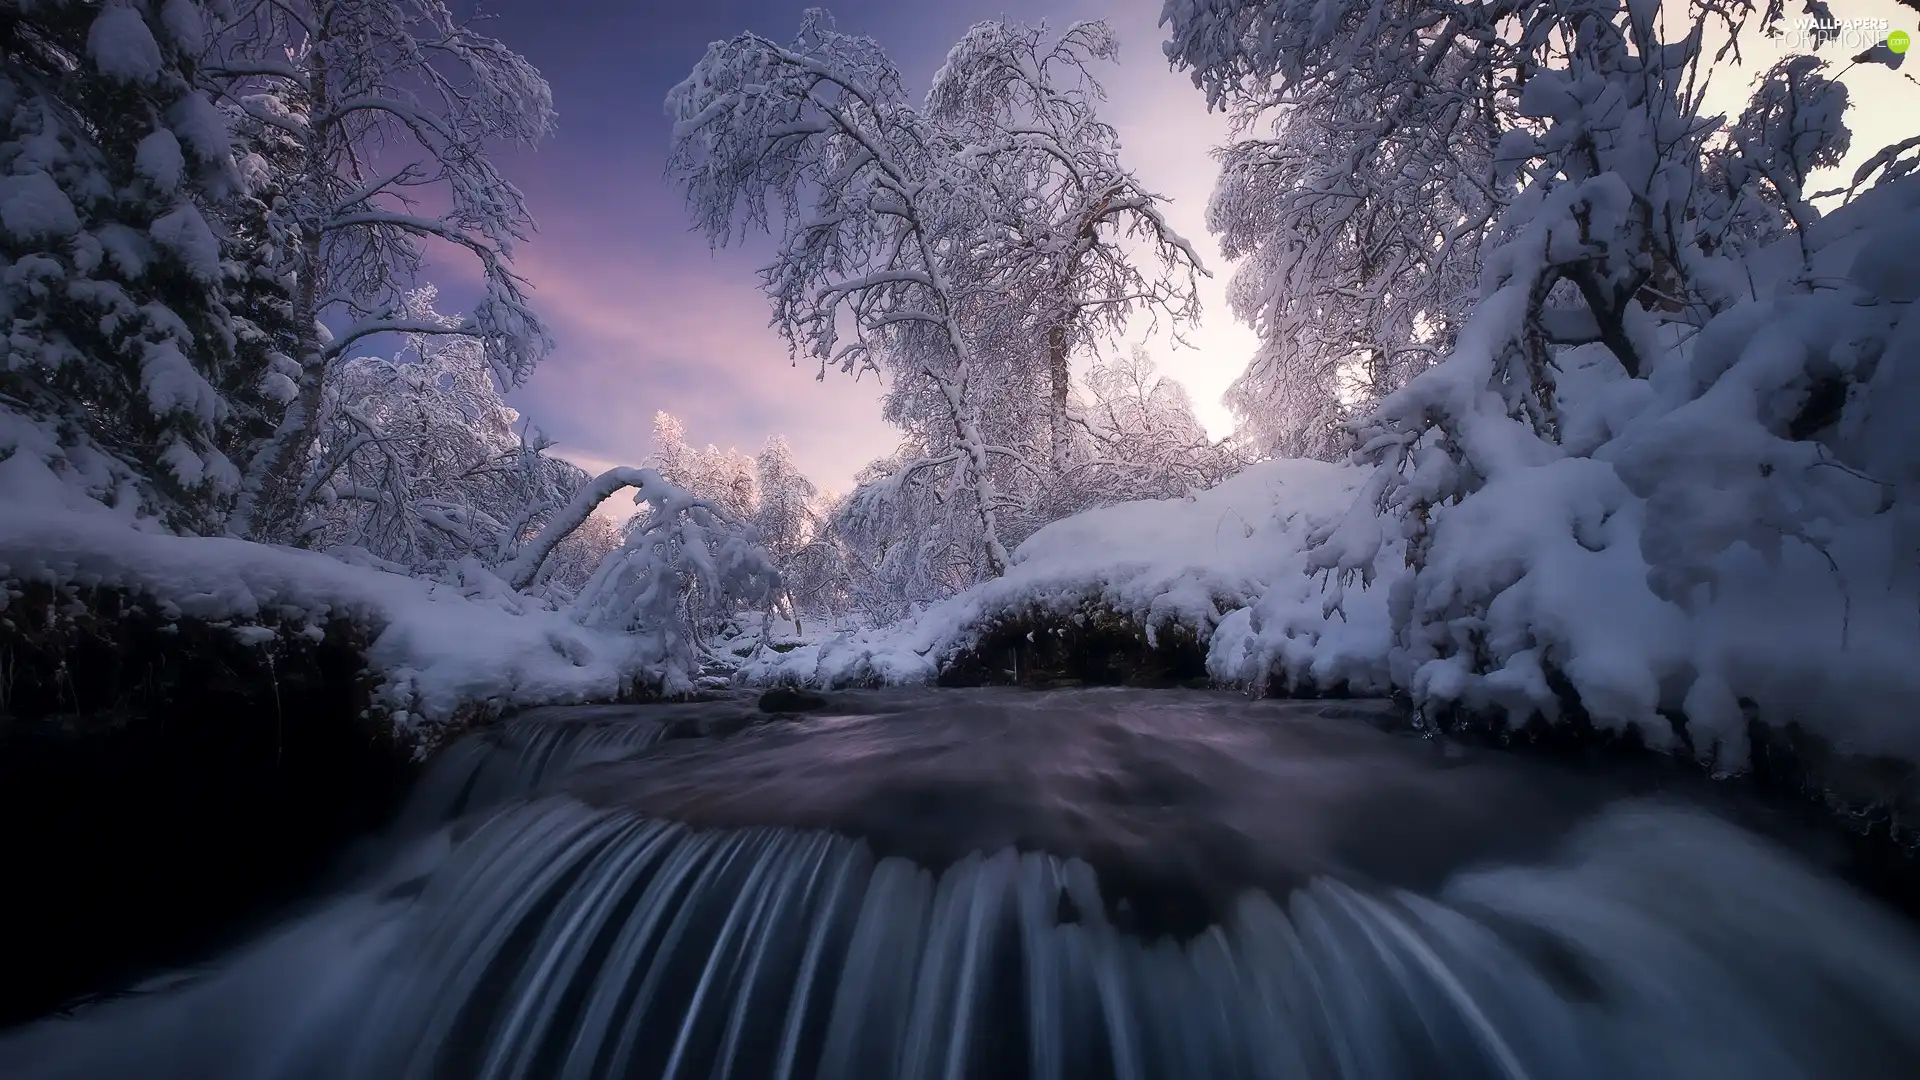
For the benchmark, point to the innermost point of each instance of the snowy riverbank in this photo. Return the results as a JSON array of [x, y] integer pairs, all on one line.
[[435, 649], [1679, 556], [1164, 564]]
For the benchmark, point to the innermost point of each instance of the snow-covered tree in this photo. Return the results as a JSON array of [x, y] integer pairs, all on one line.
[[726, 476], [577, 558], [872, 212], [1146, 441], [121, 347], [673, 457], [1594, 249], [903, 544], [1366, 211], [1640, 385], [1594, 171], [1792, 126], [259, 299], [1357, 194], [817, 579], [767, 491], [964, 250], [421, 462], [684, 563], [734, 479], [1065, 220], [784, 509], [377, 110], [783, 515]]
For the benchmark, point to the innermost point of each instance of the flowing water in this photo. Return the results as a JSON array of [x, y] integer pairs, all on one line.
[[1006, 885]]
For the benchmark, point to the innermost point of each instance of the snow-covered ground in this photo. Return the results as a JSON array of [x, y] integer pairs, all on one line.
[[1182, 562], [1233, 564], [435, 647]]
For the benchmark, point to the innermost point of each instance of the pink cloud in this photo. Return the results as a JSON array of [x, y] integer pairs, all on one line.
[[634, 337]]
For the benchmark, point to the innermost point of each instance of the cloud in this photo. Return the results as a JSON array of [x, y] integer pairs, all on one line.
[[614, 509], [634, 337]]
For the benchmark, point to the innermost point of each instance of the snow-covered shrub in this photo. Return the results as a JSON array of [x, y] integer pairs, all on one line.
[[1655, 475], [686, 565]]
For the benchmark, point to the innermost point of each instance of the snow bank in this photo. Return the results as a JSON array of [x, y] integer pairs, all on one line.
[[436, 648], [1174, 562]]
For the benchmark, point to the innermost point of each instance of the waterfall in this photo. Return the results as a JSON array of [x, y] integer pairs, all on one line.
[[561, 942], [989, 887], [520, 757]]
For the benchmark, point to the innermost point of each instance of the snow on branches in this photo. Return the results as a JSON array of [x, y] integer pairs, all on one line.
[[1358, 193], [1658, 421], [420, 462], [964, 250], [1060, 206], [769, 491], [119, 345], [684, 561], [208, 215], [871, 211], [362, 113]]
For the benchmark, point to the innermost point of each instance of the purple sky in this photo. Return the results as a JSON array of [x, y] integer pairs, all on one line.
[[645, 318]]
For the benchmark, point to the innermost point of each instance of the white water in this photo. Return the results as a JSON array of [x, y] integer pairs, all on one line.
[[548, 939]]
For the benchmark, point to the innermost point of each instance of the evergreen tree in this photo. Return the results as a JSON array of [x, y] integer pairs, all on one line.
[[122, 351]]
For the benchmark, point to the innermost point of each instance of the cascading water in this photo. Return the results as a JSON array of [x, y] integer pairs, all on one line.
[[1002, 886], [520, 758]]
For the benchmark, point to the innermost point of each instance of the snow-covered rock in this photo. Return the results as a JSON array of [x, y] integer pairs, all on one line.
[[1172, 562]]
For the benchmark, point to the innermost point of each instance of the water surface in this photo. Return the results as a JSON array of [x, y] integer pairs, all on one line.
[[1003, 885]]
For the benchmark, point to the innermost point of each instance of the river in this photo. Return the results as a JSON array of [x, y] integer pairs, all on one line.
[[1016, 885]]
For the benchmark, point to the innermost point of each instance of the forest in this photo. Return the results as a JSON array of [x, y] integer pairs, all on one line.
[[1568, 377]]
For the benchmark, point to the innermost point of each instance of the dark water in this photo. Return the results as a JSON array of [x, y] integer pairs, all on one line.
[[1005, 885]]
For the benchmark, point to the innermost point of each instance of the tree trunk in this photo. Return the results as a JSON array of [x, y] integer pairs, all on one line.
[[1059, 352], [524, 569], [270, 507], [966, 430], [1060, 376], [961, 408]]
